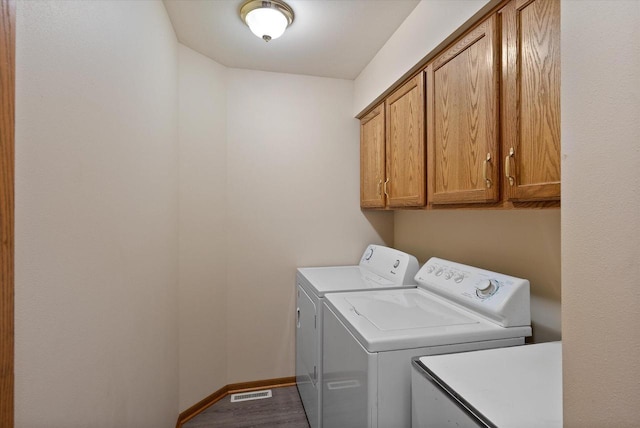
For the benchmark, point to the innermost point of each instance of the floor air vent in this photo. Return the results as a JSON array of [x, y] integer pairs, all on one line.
[[254, 395]]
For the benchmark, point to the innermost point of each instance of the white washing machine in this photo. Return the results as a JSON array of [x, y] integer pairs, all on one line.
[[380, 268], [375, 334], [512, 387]]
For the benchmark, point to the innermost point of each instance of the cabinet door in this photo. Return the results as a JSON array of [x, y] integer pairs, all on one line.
[[531, 99], [406, 186], [372, 154], [462, 125]]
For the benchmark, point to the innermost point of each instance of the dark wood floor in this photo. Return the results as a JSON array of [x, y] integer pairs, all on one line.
[[283, 410]]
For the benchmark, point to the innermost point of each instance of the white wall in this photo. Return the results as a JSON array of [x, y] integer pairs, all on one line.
[[293, 200], [96, 215], [601, 212], [426, 27], [203, 226]]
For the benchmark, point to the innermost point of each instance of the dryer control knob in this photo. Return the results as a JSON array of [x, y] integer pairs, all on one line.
[[368, 254], [486, 288]]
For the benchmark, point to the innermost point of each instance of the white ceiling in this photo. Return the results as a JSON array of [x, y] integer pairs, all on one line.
[[330, 38]]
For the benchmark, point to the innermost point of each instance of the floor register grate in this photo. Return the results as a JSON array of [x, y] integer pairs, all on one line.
[[254, 395]]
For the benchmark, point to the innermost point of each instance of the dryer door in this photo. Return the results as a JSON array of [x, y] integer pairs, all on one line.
[[307, 354]]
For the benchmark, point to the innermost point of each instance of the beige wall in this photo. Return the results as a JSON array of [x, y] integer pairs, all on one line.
[[203, 226], [96, 215], [523, 243], [268, 182], [428, 25], [293, 200], [601, 212]]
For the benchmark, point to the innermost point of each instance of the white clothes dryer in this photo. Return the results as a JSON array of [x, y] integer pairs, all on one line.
[[379, 268], [374, 335]]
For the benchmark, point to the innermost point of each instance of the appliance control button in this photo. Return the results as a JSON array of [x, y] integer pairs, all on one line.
[[396, 263], [368, 254], [486, 288], [448, 275], [439, 272], [430, 268], [459, 278]]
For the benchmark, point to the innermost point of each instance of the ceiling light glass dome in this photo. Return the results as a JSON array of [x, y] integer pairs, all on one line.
[[267, 19]]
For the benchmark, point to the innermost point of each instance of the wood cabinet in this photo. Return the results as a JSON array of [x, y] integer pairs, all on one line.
[[405, 145], [492, 122], [372, 159], [392, 150], [463, 119], [531, 99]]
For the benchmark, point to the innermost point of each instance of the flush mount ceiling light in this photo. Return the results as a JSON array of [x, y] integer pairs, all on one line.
[[266, 19]]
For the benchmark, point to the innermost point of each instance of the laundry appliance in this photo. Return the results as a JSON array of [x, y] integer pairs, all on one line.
[[379, 268], [375, 334], [508, 387]]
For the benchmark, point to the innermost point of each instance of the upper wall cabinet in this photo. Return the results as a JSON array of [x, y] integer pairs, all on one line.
[[372, 156], [492, 121], [406, 185], [392, 150], [462, 120], [531, 99]]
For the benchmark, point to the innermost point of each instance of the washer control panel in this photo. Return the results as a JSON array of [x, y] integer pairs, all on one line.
[[501, 298], [391, 264]]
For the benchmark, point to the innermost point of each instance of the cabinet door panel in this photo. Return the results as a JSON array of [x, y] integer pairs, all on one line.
[[463, 135], [372, 154], [405, 145], [531, 99]]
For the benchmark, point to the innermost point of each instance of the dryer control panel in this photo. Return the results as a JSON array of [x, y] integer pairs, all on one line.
[[500, 298], [396, 266]]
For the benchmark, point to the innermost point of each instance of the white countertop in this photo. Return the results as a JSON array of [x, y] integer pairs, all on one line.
[[519, 386]]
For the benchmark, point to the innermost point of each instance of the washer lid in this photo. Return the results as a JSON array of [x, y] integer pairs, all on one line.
[[322, 280], [393, 319], [390, 312]]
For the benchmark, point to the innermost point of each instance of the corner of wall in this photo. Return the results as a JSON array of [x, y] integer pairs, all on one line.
[[203, 233]]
